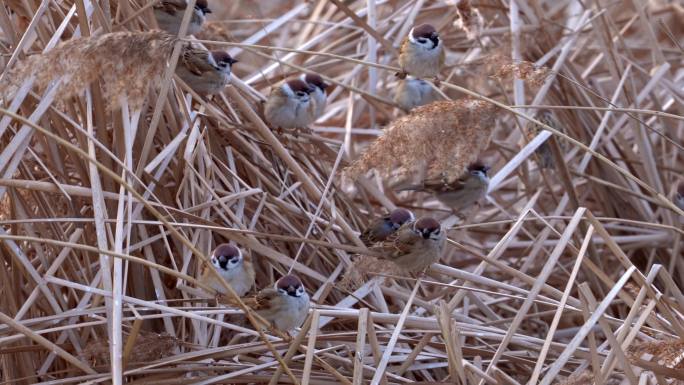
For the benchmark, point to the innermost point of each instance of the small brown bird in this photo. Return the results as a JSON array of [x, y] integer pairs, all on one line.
[[422, 53], [463, 192], [383, 227], [413, 92], [205, 72], [415, 246], [291, 105], [544, 154], [319, 95], [285, 306], [679, 195], [169, 14], [237, 270]]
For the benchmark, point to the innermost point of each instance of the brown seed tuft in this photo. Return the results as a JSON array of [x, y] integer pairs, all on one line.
[[585, 378], [148, 347], [469, 19], [524, 70], [445, 135], [127, 63], [669, 352]]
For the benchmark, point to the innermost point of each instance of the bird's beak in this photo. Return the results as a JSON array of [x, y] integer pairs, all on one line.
[[232, 61]]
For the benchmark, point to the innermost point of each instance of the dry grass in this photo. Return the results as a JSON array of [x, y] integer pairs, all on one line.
[[116, 184]]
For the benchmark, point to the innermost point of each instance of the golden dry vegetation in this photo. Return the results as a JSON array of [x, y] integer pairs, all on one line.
[[117, 181]]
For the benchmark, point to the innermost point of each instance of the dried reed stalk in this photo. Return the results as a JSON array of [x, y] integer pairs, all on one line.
[[569, 274]]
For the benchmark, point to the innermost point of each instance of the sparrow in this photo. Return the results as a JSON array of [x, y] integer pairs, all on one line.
[[421, 53], [679, 195], [383, 227], [462, 192], [291, 105], [285, 305], [229, 262], [206, 72], [319, 95], [413, 92], [415, 246], [169, 14], [544, 154]]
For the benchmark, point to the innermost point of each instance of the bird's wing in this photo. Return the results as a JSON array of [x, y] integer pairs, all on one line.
[[368, 235], [170, 6], [262, 300], [439, 185], [196, 60], [398, 244]]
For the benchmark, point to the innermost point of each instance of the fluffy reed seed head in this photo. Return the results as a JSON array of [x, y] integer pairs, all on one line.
[[445, 135], [523, 70], [127, 63], [469, 19], [668, 352], [148, 347]]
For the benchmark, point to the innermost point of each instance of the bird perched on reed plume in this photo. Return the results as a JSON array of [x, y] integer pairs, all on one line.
[[461, 193], [413, 92]]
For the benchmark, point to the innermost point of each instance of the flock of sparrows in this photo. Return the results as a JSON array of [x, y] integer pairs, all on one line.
[[296, 103], [412, 244]]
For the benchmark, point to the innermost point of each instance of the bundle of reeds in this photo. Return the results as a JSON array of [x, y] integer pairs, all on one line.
[[118, 179]]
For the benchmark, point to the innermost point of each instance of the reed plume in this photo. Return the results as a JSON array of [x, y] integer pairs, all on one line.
[[469, 19], [127, 63], [444, 135]]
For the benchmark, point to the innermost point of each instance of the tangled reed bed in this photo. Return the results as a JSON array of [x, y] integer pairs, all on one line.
[[114, 190]]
